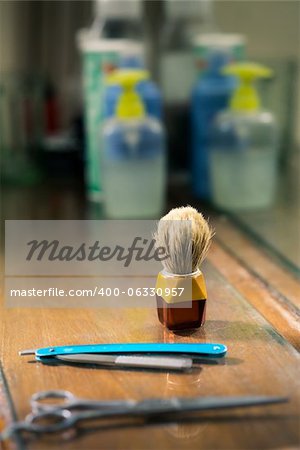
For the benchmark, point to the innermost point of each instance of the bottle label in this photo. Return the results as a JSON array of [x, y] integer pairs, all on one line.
[[132, 144]]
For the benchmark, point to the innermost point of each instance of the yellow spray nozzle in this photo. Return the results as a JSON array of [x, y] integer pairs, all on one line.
[[127, 78], [247, 70], [245, 97], [129, 104]]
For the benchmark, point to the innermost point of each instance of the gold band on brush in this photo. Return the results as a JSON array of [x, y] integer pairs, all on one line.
[[184, 288]]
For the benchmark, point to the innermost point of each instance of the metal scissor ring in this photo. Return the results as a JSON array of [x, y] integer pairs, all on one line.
[[58, 420], [71, 402], [37, 404]]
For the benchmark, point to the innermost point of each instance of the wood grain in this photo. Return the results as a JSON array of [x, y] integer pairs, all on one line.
[[6, 417], [252, 307], [279, 311], [260, 361], [258, 262]]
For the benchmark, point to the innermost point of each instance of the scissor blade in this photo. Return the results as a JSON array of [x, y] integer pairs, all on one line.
[[180, 405], [149, 362], [159, 407]]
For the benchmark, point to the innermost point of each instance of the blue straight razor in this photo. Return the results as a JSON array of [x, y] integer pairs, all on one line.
[[176, 349]]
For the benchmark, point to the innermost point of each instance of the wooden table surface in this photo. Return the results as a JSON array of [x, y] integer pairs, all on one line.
[[253, 308]]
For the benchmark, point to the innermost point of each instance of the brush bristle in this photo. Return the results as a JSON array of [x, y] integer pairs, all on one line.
[[186, 236]]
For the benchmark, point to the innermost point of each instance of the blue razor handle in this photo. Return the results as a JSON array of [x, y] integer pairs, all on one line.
[[201, 349]]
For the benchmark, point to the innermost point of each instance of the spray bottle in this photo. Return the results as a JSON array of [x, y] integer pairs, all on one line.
[[245, 146], [116, 30], [133, 154], [210, 95]]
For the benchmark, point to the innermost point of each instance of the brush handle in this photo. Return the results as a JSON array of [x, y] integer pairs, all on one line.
[[213, 350]]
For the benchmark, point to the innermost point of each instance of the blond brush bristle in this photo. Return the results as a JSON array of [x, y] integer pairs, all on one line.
[[186, 236]]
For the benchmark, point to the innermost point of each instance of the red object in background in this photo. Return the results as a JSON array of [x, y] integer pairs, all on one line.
[[51, 111]]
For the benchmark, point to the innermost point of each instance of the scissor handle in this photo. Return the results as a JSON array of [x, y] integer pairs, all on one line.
[[70, 401], [48, 421], [38, 404]]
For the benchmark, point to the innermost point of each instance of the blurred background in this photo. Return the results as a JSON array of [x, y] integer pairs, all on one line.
[[125, 108]]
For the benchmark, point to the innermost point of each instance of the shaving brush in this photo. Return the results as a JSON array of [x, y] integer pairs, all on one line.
[[180, 289]]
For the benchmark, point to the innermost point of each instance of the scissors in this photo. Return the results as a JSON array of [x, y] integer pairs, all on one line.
[[55, 411]]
